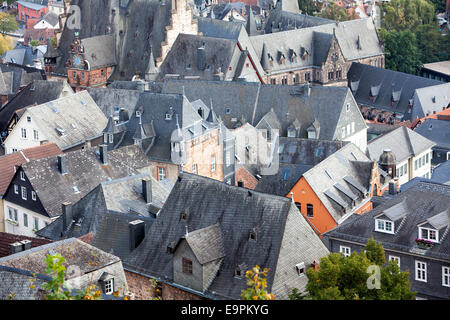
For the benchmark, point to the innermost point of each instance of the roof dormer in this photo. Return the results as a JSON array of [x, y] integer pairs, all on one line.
[[435, 228]]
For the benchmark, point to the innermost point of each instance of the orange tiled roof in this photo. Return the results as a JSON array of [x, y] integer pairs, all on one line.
[[7, 162]]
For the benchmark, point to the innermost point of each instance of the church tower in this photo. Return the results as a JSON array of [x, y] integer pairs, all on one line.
[[50, 59]]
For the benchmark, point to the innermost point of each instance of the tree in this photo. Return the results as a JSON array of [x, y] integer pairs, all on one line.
[[439, 5], [402, 53], [8, 23], [401, 15], [34, 43], [5, 44], [351, 278], [334, 12], [309, 7], [431, 44], [257, 285]]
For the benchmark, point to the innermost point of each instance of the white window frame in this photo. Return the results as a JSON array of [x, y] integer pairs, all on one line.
[[194, 168], [301, 270], [24, 133], [421, 229], [35, 134], [33, 195], [110, 138], [13, 214], [213, 163], [353, 127], [23, 193], [161, 173], [109, 286], [446, 276], [228, 158], [25, 220], [344, 249], [420, 271], [384, 224], [16, 189], [22, 175], [396, 259]]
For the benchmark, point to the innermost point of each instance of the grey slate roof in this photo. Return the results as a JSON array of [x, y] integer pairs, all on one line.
[[430, 99], [100, 51], [133, 25], [207, 243], [402, 141], [386, 82], [13, 77], [421, 202], [85, 171], [441, 173], [37, 92], [437, 131], [237, 211], [15, 284], [290, 103], [285, 20]]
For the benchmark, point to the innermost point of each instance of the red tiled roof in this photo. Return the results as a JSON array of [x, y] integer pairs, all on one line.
[[7, 238], [8, 162]]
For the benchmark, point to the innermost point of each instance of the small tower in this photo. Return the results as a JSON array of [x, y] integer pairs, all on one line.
[[152, 72], [388, 162], [50, 59], [251, 24]]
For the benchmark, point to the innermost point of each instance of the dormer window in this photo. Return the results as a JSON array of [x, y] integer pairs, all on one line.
[[384, 226], [252, 235], [300, 269], [187, 266], [168, 116], [429, 234]]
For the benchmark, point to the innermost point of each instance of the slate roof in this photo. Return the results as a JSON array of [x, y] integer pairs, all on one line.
[[237, 211], [15, 284], [85, 171], [251, 101], [100, 51], [316, 40], [14, 76], [182, 58], [106, 211], [34, 4], [76, 116], [207, 243], [440, 66], [285, 20], [386, 82], [437, 131], [346, 172], [430, 100], [8, 238], [402, 141], [421, 202], [35, 93], [8, 162], [441, 173], [143, 21], [76, 253]]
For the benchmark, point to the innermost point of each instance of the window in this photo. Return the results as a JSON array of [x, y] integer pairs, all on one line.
[[82, 75], [300, 269], [299, 206], [415, 164], [33, 195], [429, 234], [24, 133], [213, 163], [24, 193], [421, 271], [109, 286], [111, 138], [349, 132], [74, 75], [103, 72], [187, 266], [22, 176], [25, 220], [396, 259], [353, 127], [347, 107], [28, 119], [307, 76], [36, 223], [36, 135], [13, 214], [384, 226], [345, 250], [161, 173], [309, 210], [16, 189], [194, 168], [228, 158], [343, 132], [446, 276], [427, 159]]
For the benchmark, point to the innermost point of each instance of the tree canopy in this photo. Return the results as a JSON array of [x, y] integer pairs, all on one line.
[[8, 23], [360, 276]]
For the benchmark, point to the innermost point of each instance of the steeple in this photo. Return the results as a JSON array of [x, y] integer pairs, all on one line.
[[212, 117], [139, 135], [152, 72], [50, 58], [265, 59], [251, 24]]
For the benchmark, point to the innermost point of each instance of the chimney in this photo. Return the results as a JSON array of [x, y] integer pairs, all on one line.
[[140, 84], [15, 247], [26, 244], [392, 187], [147, 190], [201, 58], [103, 149], [137, 233], [123, 115], [62, 164], [67, 215], [397, 184]]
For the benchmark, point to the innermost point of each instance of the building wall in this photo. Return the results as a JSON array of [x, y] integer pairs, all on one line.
[[359, 139], [2, 216], [19, 227], [172, 170], [322, 219], [249, 180], [24, 13], [194, 280], [432, 289], [92, 78], [15, 139], [424, 170]]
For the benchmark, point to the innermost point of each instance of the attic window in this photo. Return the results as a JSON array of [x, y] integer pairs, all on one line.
[[228, 111], [168, 116], [300, 269], [75, 189], [60, 131], [252, 235], [384, 226], [28, 119], [183, 216], [138, 113], [187, 266], [429, 234]]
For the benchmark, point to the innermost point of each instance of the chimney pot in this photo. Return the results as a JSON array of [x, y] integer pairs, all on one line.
[[392, 187], [15, 247], [26, 244]]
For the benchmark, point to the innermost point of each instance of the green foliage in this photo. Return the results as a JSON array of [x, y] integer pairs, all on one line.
[[56, 288], [439, 5], [257, 285], [407, 14], [34, 43], [334, 12], [8, 23], [309, 7], [295, 294], [401, 51], [348, 278], [432, 45]]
